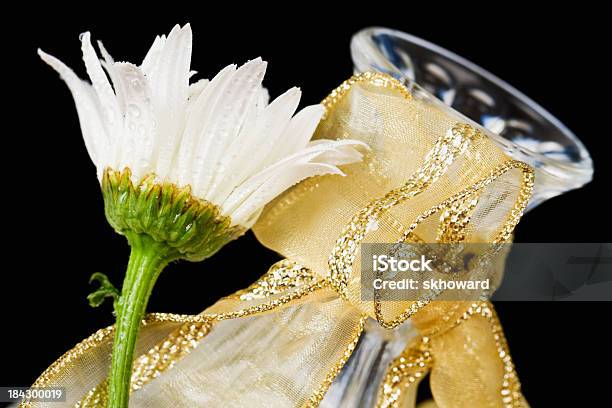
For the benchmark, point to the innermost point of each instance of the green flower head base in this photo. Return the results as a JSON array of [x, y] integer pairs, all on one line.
[[190, 228]]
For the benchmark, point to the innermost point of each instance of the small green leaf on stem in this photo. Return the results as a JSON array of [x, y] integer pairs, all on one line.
[[106, 289]]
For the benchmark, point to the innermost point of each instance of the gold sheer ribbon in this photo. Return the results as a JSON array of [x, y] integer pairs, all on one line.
[[429, 177]]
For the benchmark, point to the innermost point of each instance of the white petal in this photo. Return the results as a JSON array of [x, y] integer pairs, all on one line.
[[263, 98], [258, 144], [106, 96], [342, 152], [170, 89], [196, 88], [199, 115], [255, 180], [298, 133], [137, 146], [105, 54], [312, 154], [237, 155], [227, 122], [275, 185], [150, 60], [88, 109], [252, 149], [107, 63]]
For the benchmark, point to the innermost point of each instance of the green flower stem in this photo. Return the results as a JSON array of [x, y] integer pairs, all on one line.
[[147, 259]]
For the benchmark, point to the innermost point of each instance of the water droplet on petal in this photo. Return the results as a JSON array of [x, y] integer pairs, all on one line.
[[134, 110], [136, 84], [142, 130]]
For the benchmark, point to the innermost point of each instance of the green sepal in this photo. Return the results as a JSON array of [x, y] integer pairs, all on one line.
[[106, 290], [169, 214]]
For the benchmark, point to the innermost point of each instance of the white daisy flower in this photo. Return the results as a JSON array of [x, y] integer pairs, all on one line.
[[220, 137]]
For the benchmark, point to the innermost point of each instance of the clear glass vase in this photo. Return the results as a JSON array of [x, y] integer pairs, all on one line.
[[358, 383]]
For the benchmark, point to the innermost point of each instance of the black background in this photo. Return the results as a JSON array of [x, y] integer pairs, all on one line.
[[58, 236]]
